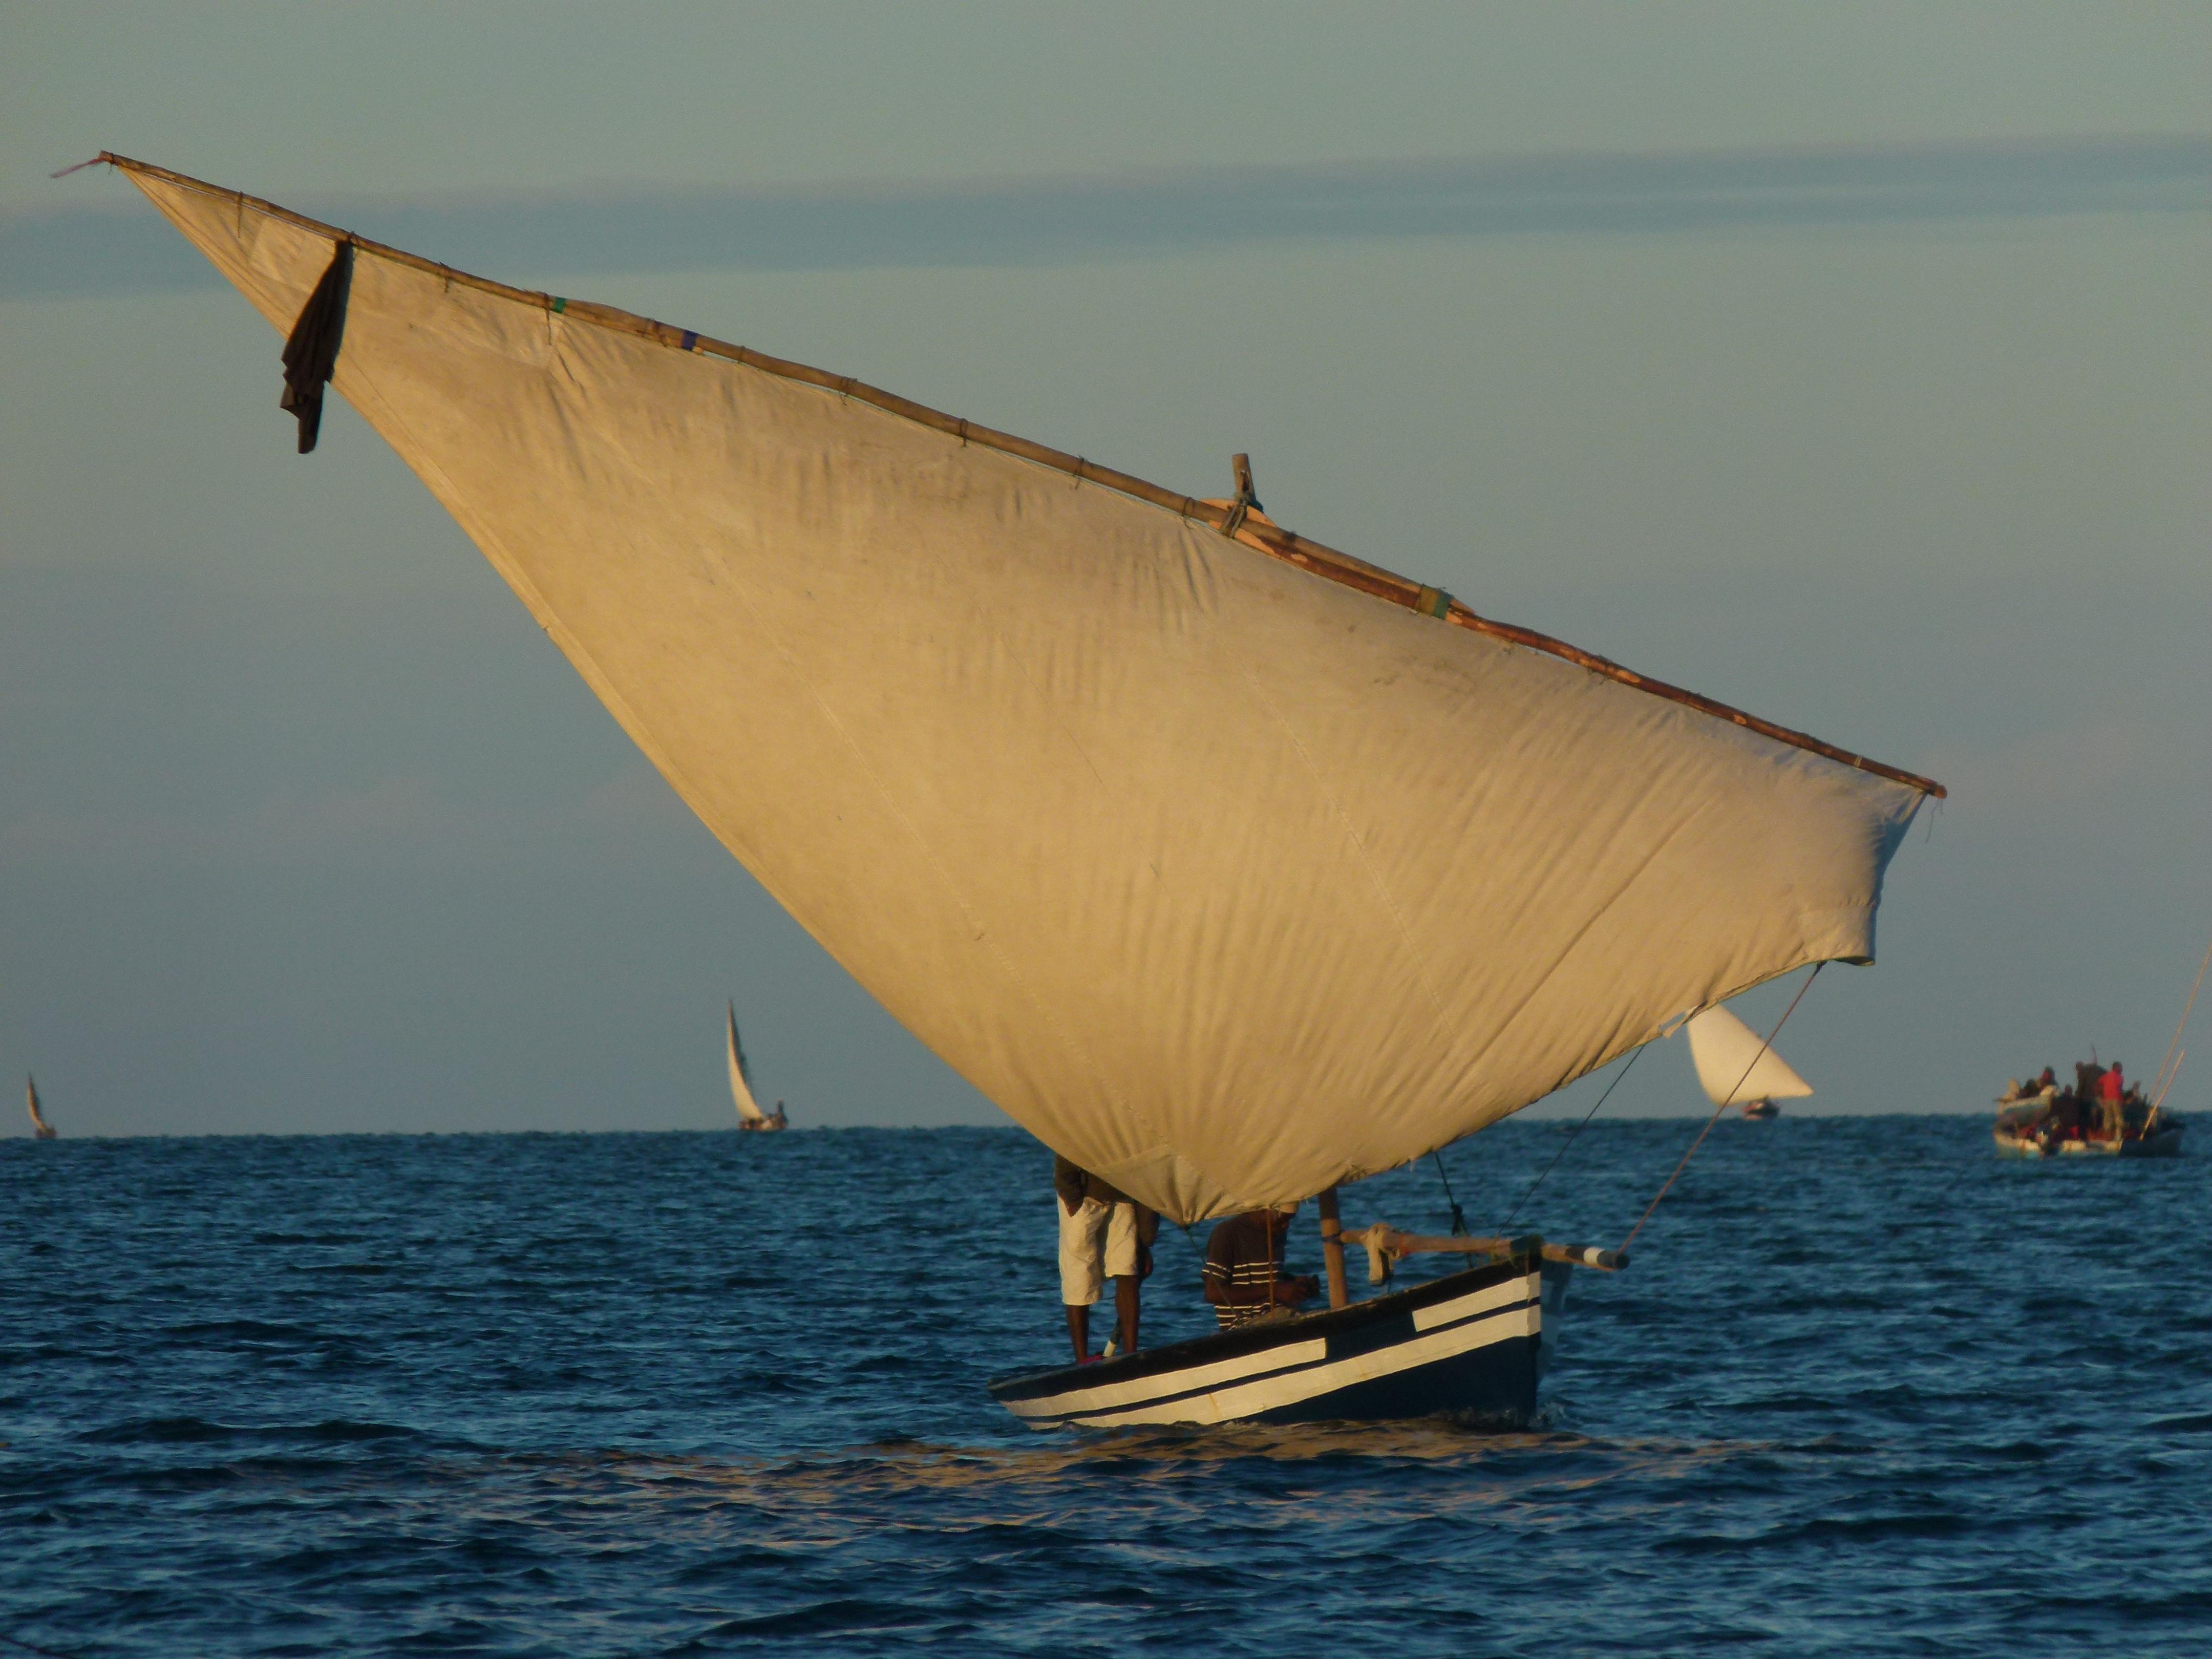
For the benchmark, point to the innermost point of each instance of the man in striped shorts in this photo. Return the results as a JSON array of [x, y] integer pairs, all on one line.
[[1244, 1277]]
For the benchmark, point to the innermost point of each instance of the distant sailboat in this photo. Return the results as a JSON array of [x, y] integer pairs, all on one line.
[[39, 1127], [749, 1115], [1738, 1067]]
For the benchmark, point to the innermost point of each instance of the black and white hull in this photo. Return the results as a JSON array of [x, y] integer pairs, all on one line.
[[1469, 1344]]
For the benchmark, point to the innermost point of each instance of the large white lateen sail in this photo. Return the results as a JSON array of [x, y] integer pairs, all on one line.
[[1230, 866], [1736, 1066]]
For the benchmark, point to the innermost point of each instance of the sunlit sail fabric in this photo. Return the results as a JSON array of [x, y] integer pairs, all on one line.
[[1226, 880], [741, 1082], [1735, 1064]]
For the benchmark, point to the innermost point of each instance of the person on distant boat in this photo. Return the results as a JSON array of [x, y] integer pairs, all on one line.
[[1104, 1234], [778, 1118], [1244, 1277], [2048, 1082], [2112, 1095]]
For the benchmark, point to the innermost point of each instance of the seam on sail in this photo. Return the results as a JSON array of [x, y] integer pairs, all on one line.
[[1331, 564]]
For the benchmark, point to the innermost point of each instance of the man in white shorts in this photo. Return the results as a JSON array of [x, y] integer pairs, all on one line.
[[1103, 1235]]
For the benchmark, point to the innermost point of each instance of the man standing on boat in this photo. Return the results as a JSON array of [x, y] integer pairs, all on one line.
[[2111, 1097], [1244, 1277], [1104, 1234]]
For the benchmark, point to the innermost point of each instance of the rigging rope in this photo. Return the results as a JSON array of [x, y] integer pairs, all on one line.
[[1569, 1140], [2170, 1067], [1722, 1107], [1458, 1215]]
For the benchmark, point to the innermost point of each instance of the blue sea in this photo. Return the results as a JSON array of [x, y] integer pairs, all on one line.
[[1864, 1389]]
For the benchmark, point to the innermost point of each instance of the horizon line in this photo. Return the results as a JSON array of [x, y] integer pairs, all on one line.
[[1515, 1118]]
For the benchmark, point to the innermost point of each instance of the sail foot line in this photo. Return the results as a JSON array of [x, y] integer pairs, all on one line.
[[1286, 546]]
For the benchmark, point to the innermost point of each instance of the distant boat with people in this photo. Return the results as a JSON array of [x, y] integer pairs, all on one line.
[[2102, 1114], [749, 1115], [1737, 1067], [2099, 1114], [39, 1128]]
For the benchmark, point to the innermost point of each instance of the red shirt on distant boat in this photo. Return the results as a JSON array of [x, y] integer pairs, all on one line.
[[2111, 1086]]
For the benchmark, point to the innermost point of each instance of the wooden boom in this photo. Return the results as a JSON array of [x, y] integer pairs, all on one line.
[[1391, 1242]]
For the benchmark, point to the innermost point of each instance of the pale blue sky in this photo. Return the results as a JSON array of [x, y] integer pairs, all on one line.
[[304, 825]]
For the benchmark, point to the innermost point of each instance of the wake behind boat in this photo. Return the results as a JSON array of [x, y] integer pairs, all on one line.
[[1232, 866], [749, 1115]]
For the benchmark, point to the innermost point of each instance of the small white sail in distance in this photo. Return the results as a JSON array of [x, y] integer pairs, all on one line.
[[741, 1077], [39, 1127], [1723, 1048]]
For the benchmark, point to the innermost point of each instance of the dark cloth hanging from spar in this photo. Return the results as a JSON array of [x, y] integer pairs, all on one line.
[[311, 355]]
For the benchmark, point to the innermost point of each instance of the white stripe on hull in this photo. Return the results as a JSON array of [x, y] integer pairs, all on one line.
[[1296, 1373], [1083, 1401], [1476, 1302]]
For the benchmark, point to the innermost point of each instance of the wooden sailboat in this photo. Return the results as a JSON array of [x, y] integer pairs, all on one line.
[[1233, 866], [1738, 1067], [2051, 1122], [749, 1115], [39, 1128]]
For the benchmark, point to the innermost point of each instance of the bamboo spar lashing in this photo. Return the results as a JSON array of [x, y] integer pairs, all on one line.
[[1231, 518]]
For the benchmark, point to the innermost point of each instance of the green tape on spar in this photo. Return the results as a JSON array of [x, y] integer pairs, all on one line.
[[1433, 602]]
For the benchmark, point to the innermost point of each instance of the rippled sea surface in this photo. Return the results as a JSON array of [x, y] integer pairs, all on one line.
[[1865, 1389]]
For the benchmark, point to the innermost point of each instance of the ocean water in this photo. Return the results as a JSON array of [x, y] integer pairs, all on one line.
[[1866, 1389]]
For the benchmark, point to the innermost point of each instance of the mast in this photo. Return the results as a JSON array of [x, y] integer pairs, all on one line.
[[1332, 1249]]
